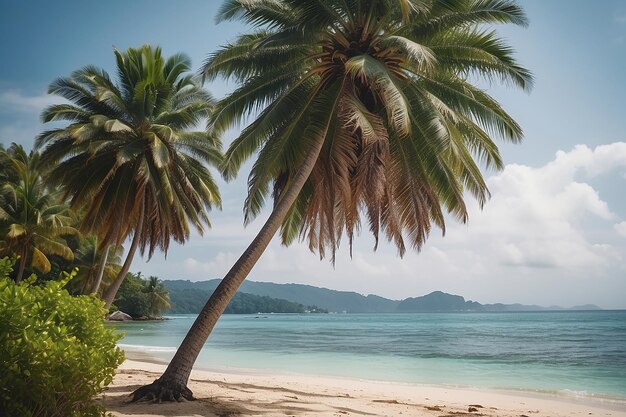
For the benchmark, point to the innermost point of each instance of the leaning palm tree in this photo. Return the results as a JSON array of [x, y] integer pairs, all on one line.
[[128, 158], [33, 219], [360, 107]]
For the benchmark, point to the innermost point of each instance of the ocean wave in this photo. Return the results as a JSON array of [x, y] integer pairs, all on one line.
[[181, 317], [594, 397], [143, 348]]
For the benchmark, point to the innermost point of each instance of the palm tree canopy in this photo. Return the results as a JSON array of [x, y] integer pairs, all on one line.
[[33, 220], [130, 148], [158, 296], [387, 85]]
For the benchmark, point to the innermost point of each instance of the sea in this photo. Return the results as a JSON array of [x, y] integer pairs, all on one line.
[[572, 354]]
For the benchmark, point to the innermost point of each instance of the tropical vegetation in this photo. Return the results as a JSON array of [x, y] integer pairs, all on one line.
[[33, 219], [143, 298], [37, 231], [56, 352], [95, 266], [359, 107], [128, 157]]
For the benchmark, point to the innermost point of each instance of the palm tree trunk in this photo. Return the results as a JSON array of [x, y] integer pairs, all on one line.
[[20, 271], [173, 383], [103, 262], [111, 292]]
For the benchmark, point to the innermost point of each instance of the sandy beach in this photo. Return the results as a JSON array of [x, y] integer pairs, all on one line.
[[268, 394]]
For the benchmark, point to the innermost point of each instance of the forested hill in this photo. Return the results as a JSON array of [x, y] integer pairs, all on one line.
[[189, 297], [185, 295], [189, 300]]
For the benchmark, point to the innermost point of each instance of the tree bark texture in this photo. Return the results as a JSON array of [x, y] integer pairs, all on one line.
[[111, 292], [103, 262], [20, 271]]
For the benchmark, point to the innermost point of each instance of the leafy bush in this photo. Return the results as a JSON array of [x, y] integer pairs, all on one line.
[[55, 352]]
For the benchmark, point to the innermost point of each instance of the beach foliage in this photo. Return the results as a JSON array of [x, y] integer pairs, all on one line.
[[130, 156], [56, 353]]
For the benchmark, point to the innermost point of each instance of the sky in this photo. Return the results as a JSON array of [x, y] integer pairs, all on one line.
[[553, 233]]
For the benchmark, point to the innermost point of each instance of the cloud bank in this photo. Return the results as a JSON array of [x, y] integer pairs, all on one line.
[[20, 115]]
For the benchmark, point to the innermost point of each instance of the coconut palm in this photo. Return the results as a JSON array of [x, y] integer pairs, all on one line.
[[360, 107], [33, 220], [95, 266], [158, 296], [128, 158]]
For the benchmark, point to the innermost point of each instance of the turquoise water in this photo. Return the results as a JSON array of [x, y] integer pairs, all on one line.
[[580, 353]]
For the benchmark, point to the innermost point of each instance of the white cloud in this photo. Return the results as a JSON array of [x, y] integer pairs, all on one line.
[[621, 228], [216, 267], [369, 268], [15, 100], [597, 161], [535, 217], [19, 114], [22, 133]]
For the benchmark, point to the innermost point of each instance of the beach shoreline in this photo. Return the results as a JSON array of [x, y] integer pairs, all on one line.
[[256, 392]]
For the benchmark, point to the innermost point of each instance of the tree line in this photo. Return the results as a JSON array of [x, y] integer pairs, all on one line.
[[191, 301]]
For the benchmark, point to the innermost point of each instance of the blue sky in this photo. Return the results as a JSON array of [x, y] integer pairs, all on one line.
[[553, 233]]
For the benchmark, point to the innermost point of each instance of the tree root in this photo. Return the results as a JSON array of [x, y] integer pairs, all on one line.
[[162, 390]]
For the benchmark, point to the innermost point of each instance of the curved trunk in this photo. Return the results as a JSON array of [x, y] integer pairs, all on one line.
[[111, 292], [20, 271], [179, 369], [103, 262]]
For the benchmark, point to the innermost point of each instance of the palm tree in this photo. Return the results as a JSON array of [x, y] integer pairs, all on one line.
[[128, 158], [7, 174], [95, 266], [360, 106], [158, 296], [33, 220]]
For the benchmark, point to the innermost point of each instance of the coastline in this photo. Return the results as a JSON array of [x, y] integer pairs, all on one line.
[[252, 392]]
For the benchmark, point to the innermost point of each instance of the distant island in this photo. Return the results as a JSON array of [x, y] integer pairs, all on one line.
[[191, 300], [266, 297]]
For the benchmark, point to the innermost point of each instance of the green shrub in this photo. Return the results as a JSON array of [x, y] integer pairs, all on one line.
[[55, 352]]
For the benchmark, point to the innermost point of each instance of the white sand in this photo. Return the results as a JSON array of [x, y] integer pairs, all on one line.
[[267, 394]]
